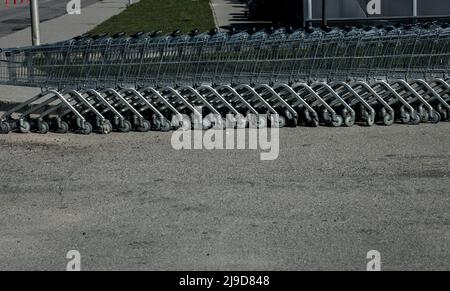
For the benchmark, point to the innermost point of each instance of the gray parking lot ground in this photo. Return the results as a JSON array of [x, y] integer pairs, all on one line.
[[129, 201], [60, 28]]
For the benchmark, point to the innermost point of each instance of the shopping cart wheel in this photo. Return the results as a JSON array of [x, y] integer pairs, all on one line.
[[241, 123], [220, 123], [388, 120], [292, 122], [405, 117], [206, 124], [349, 121], [64, 128], [327, 116], [279, 122], [415, 120], [87, 129], [5, 128], [165, 125], [444, 115], [146, 126], [435, 117], [370, 120], [126, 127], [314, 122], [25, 127], [43, 127], [106, 128], [424, 116], [261, 122], [337, 121]]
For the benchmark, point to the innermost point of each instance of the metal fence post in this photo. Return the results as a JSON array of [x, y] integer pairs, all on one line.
[[35, 33], [324, 13]]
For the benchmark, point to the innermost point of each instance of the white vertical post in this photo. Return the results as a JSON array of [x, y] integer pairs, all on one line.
[[310, 10], [34, 13], [415, 9]]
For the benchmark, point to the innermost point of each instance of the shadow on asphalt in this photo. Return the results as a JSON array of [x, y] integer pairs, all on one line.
[[241, 21]]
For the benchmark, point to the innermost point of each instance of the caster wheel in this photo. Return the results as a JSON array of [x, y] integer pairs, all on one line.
[[424, 117], [206, 124], [337, 121], [314, 122], [126, 127], [370, 120], [43, 128], [241, 123], [415, 120], [279, 122], [220, 124], [327, 117], [64, 128], [87, 129], [293, 122], [406, 118], [5, 128], [388, 119], [261, 122], [156, 124], [106, 128], [435, 117], [25, 127], [444, 115], [146, 126], [165, 125], [349, 121]]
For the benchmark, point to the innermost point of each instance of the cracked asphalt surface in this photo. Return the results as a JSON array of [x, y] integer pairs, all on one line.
[[131, 202]]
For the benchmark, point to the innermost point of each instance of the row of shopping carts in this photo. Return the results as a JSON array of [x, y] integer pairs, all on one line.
[[333, 104], [335, 76], [279, 55]]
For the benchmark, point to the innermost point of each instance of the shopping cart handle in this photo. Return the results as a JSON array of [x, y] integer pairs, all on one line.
[[138, 34], [213, 31], [176, 33], [232, 31], [346, 28], [194, 32], [326, 28], [119, 35], [83, 36], [155, 33], [98, 36]]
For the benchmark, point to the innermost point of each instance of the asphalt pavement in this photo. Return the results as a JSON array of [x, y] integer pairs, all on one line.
[[15, 18], [131, 202]]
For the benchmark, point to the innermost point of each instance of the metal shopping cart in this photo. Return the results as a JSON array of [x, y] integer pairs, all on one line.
[[150, 81]]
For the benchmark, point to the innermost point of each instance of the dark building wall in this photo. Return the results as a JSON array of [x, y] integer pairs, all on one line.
[[293, 11], [358, 8]]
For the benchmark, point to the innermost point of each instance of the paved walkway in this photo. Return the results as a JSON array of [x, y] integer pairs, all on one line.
[[15, 18], [68, 26], [58, 29]]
